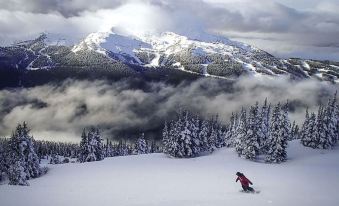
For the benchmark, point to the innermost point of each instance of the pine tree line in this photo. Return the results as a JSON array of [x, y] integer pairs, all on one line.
[[122, 148], [46, 149], [258, 131], [93, 149], [321, 130]]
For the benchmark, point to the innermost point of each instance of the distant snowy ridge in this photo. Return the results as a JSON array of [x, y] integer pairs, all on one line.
[[198, 54]]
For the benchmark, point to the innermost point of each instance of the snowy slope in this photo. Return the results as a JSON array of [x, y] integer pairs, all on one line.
[[163, 44], [309, 178], [111, 43]]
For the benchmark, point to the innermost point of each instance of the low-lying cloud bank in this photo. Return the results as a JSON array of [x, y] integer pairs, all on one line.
[[121, 109]]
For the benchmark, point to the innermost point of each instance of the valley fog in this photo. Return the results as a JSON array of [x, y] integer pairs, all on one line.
[[125, 108]]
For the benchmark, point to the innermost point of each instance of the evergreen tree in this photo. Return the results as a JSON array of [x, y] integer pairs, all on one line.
[[91, 148], [330, 122], [99, 149], [84, 149], [212, 139], [165, 139], [221, 137], [141, 146], [23, 160], [277, 143], [54, 159], [91, 145], [109, 149], [250, 145], [311, 138], [265, 126], [203, 137], [304, 138], [185, 140], [173, 146], [294, 131], [286, 123], [232, 131], [241, 133], [16, 173], [194, 127], [3, 168], [324, 139]]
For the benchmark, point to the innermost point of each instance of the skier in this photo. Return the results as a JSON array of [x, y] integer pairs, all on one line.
[[244, 182]]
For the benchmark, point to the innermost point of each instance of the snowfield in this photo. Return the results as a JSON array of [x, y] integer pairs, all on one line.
[[310, 177]]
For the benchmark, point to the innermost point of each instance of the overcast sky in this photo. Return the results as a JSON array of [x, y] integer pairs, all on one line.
[[287, 28]]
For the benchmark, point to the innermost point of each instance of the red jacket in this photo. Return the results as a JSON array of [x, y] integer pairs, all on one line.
[[244, 181]]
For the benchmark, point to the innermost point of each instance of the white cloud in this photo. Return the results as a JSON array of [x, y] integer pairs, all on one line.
[[62, 111]]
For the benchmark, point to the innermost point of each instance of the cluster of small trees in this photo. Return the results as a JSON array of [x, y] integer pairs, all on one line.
[[190, 135], [322, 130], [18, 159], [260, 132], [91, 147]]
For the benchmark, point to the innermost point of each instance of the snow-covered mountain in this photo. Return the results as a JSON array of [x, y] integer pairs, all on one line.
[[199, 54]]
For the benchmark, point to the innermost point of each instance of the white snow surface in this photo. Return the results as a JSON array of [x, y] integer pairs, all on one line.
[[104, 42], [308, 178]]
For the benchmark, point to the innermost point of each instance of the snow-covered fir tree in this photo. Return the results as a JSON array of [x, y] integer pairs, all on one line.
[[241, 132], [91, 148], [22, 159], [221, 137], [3, 168], [286, 123], [321, 130], [323, 140], [16, 173], [99, 149], [204, 137], [165, 139], [84, 149], [141, 145], [231, 132], [277, 142], [304, 130], [310, 137], [265, 126], [251, 142], [55, 159], [185, 141], [212, 139], [294, 131], [109, 149], [330, 122], [194, 127]]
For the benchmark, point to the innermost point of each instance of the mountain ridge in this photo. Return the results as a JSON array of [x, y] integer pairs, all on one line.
[[204, 55]]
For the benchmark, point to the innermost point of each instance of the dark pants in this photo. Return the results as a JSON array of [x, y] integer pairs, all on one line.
[[247, 189]]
